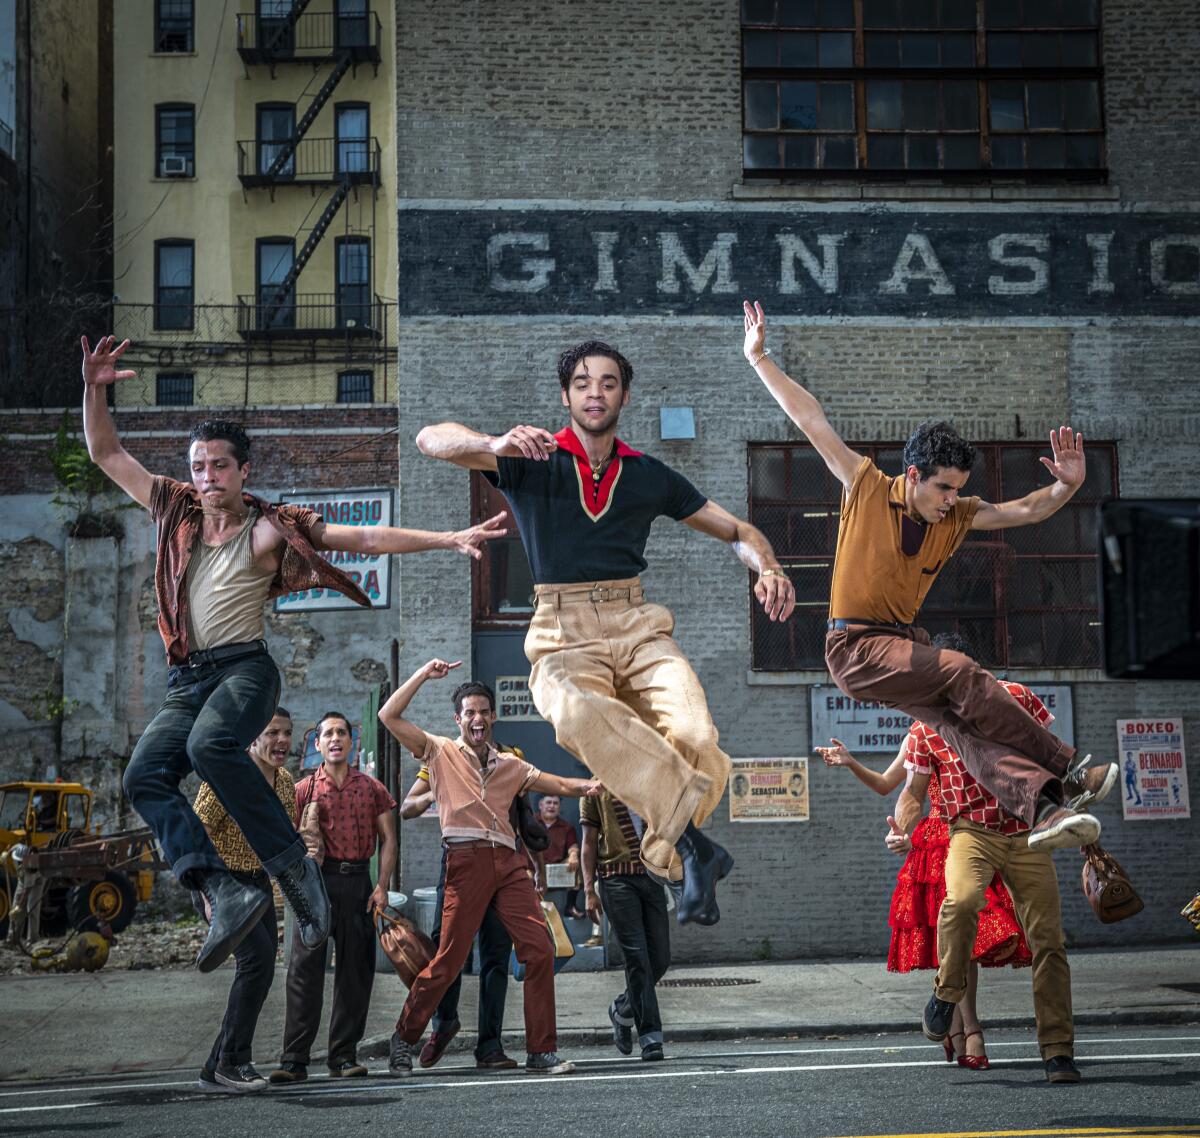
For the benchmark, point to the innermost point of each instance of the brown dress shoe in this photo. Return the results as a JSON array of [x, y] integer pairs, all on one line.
[[439, 1040], [1061, 828], [1090, 785], [494, 1061]]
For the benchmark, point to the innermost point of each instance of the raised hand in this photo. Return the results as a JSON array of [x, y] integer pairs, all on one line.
[[99, 366], [835, 756], [1067, 464], [897, 840], [470, 541], [438, 669], [525, 442], [756, 329], [777, 595]]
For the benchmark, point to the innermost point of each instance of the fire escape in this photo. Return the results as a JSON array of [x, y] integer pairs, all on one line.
[[333, 168]]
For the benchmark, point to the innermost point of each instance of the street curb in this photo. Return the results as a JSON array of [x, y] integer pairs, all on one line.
[[377, 1048]]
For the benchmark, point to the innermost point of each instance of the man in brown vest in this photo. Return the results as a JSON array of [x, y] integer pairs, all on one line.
[[895, 536]]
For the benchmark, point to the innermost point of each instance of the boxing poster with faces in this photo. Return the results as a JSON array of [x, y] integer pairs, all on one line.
[[1153, 768], [768, 790]]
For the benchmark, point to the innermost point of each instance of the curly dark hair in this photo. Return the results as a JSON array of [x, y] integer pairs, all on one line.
[[471, 687], [956, 642], [230, 432], [934, 445], [571, 357]]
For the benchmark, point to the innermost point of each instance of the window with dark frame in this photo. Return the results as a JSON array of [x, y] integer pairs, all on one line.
[[1025, 597], [356, 387], [353, 282], [945, 89], [274, 259], [174, 279], [276, 125], [174, 389], [175, 140], [174, 26], [501, 581]]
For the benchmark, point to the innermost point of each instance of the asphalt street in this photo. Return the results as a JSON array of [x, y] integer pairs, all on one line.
[[1136, 1082]]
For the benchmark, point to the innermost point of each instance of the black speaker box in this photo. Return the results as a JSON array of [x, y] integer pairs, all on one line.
[[1150, 588]]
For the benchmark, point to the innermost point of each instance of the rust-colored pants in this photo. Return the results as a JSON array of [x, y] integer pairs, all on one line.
[[479, 875], [626, 703], [1000, 743]]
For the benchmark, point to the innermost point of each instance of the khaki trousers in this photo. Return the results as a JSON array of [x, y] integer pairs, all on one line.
[[976, 854], [624, 701]]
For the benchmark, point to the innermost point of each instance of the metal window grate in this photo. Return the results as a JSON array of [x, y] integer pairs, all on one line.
[[174, 389], [356, 387]]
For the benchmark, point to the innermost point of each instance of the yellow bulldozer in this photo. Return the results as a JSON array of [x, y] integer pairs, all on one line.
[[47, 827]]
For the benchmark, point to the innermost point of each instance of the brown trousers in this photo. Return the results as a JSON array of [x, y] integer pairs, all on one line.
[[1001, 744], [976, 855], [478, 876], [624, 701]]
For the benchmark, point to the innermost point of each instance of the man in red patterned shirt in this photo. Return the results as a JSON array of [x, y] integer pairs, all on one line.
[[985, 840]]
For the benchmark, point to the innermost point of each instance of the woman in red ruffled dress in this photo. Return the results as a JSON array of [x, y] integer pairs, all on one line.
[[917, 898]]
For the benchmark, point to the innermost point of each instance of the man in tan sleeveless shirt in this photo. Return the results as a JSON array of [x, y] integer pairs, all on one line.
[[221, 554], [896, 535]]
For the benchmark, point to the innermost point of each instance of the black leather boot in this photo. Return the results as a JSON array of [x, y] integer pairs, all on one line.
[[303, 888], [704, 864], [234, 909]]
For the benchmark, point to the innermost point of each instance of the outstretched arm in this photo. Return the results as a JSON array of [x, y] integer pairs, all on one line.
[[882, 783], [774, 588], [105, 449], [376, 540], [452, 442], [391, 714], [566, 787], [1069, 468], [798, 404]]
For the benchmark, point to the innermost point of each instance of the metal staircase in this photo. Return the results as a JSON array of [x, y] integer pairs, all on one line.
[[310, 115], [287, 26], [283, 290]]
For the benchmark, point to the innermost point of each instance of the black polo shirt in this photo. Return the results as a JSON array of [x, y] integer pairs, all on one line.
[[574, 530]]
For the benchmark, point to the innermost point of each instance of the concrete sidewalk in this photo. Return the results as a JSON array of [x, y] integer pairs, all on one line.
[[126, 1022]]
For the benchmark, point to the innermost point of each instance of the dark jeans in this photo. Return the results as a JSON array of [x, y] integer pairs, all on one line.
[[637, 912], [255, 960], [353, 934], [495, 945], [209, 718]]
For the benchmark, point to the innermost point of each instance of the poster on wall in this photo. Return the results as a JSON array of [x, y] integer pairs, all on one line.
[[872, 728], [1153, 768], [768, 790], [514, 703], [370, 572]]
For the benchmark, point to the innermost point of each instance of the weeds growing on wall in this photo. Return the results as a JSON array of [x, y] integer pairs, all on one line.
[[83, 488]]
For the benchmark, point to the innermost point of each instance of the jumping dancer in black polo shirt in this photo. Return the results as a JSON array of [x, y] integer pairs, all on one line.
[[606, 672]]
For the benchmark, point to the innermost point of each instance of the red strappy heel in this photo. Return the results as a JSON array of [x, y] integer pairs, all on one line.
[[948, 1045], [973, 1062]]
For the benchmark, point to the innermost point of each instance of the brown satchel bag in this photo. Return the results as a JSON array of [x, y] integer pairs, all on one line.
[[409, 949], [1106, 886]]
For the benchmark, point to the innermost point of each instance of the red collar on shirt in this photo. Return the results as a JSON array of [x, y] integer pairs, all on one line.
[[595, 497]]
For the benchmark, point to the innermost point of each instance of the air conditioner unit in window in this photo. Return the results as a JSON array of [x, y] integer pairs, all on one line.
[[174, 166]]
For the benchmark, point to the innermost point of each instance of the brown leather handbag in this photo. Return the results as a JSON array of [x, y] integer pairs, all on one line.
[[406, 946], [1107, 888]]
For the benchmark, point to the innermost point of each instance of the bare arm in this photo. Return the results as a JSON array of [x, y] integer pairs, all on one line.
[[1069, 468], [566, 787], [391, 714], [452, 442], [774, 588], [591, 899], [882, 783], [377, 540], [385, 827], [798, 404], [418, 799], [104, 447], [908, 805]]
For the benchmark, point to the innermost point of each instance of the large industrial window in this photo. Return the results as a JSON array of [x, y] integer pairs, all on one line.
[[175, 279], [948, 89], [1024, 597]]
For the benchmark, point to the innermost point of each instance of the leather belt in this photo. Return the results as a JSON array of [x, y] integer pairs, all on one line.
[[475, 844], [593, 596], [224, 654], [345, 867], [843, 623]]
